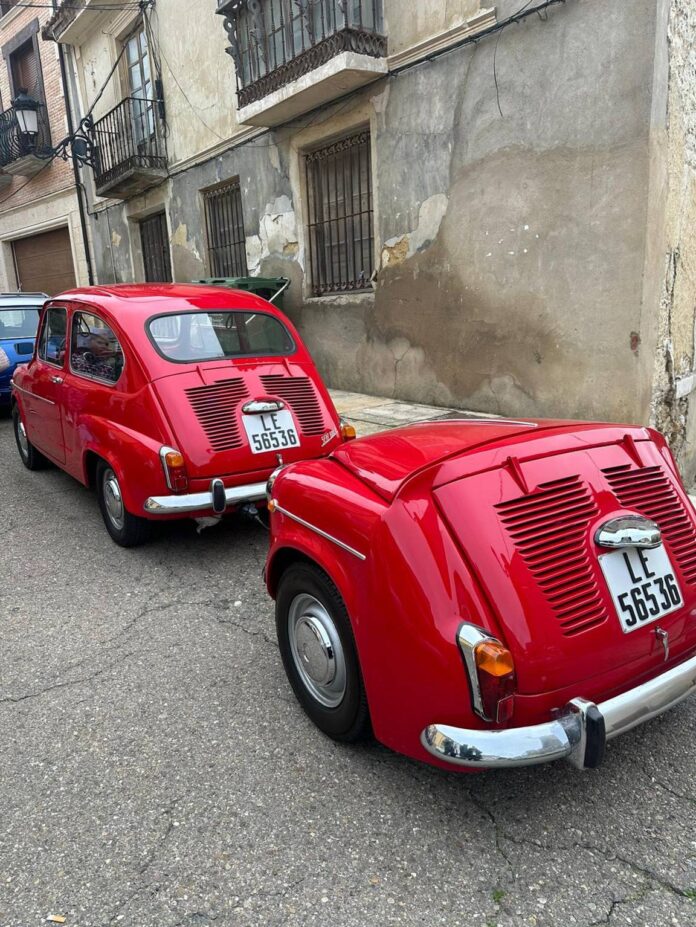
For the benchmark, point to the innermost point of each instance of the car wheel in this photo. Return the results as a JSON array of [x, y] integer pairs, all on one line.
[[319, 653], [31, 458], [126, 529]]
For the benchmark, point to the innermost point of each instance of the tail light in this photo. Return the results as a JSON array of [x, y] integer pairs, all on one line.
[[491, 672], [348, 432], [4, 361], [174, 467]]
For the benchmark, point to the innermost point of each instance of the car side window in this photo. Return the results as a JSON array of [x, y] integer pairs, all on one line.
[[53, 335], [94, 349]]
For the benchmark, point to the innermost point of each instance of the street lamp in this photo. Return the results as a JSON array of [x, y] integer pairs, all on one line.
[[27, 115]]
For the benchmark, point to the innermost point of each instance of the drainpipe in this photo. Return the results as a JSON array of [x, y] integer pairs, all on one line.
[[76, 171]]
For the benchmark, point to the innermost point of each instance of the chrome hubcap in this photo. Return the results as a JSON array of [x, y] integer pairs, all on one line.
[[22, 439], [316, 650], [113, 500]]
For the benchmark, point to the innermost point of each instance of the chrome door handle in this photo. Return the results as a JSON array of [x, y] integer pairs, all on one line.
[[56, 379]]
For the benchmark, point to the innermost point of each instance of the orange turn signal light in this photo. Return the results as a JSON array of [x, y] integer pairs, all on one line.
[[494, 659], [174, 460], [348, 432]]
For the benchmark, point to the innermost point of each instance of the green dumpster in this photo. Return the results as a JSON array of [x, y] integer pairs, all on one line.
[[270, 288]]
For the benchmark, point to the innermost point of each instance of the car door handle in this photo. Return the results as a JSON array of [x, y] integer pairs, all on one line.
[[56, 379]]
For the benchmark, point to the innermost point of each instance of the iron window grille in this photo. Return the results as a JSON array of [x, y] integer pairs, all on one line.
[[155, 243], [273, 42], [340, 210], [225, 226]]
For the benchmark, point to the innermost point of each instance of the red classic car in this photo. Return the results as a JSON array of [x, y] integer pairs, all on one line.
[[488, 593], [170, 400]]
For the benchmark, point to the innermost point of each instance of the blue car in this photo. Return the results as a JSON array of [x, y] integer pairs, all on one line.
[[19, 320]]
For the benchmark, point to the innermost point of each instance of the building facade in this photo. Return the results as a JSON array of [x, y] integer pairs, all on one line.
[[42, 246], [499, 220]]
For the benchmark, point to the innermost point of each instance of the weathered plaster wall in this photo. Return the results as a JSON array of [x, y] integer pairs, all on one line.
[[510, 226], [424, 19], [674, 402]]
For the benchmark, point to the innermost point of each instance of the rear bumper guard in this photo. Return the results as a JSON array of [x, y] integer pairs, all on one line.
[[579, 733], [205, 501]]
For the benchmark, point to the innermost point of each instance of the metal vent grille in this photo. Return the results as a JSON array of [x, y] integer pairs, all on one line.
[[549, 528], [300, 395], [649, 492], [216, 407]]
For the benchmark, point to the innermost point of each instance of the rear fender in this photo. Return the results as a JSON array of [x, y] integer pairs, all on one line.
[[133, 456]]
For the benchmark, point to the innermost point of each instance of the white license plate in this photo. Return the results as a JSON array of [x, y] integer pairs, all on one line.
[[272, 431], [642, 585]]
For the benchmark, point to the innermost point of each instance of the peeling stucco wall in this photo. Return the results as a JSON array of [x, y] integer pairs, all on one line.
[[673, 407]]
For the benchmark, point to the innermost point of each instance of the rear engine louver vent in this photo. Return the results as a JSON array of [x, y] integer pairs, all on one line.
[[300, 395], [549, 528], [649, 492], [216, 410]]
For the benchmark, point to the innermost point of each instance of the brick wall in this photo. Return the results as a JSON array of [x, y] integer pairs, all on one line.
[[58, 176]]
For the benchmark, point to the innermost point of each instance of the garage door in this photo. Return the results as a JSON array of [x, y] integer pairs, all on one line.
[[44, 262]]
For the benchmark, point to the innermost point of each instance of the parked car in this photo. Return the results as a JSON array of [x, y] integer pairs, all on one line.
[[19, 319], [486, 593], [170, 400]]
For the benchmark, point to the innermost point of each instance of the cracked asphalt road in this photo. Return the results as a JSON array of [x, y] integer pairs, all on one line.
[[156, 770]]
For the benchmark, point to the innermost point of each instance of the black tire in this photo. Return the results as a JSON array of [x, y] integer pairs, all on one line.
[[126, 530], [348, 720], [30, 457]]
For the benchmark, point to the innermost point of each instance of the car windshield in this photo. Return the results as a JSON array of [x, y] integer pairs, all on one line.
[[19, 323], [189, 337]]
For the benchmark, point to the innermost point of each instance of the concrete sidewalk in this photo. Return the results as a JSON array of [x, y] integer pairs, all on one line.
[[371, 414]]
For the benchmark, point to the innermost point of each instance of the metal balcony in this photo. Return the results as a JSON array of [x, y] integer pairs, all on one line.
[[293, 55], [130, 154], [23, 155]]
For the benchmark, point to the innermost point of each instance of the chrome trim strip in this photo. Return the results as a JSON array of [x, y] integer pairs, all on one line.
[[201, 501], [468, 638], [629, 531], [28, 393], [164, 450], [565, 735], [323, 534]]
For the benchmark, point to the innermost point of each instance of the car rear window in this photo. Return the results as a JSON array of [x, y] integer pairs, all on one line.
[[190, 337], [19, 322]]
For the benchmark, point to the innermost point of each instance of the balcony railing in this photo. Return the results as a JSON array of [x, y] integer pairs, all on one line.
[[20, 153], [130, 149], [274, 42]]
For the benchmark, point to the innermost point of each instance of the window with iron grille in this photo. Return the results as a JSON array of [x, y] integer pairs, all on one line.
[[339, 189], [225, 224], [155, 243]]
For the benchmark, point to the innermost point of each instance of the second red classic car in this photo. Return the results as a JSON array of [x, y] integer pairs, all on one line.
[[486, 593], [171, 400]]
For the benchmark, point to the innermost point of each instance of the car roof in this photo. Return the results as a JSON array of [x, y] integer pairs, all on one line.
[[22, 299], [138, 302]]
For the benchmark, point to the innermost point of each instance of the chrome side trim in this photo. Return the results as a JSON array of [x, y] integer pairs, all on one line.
[[202, 501], [323, 534], [28, 393], [163, 453], [629, 531], [468, 638], [566, 735]]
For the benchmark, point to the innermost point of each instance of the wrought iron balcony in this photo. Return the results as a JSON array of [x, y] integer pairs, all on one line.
[[22, 154], [130, 150], [275, 44]]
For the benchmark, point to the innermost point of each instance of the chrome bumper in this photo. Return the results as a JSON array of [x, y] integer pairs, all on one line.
[[579, 732], [203, 501]]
